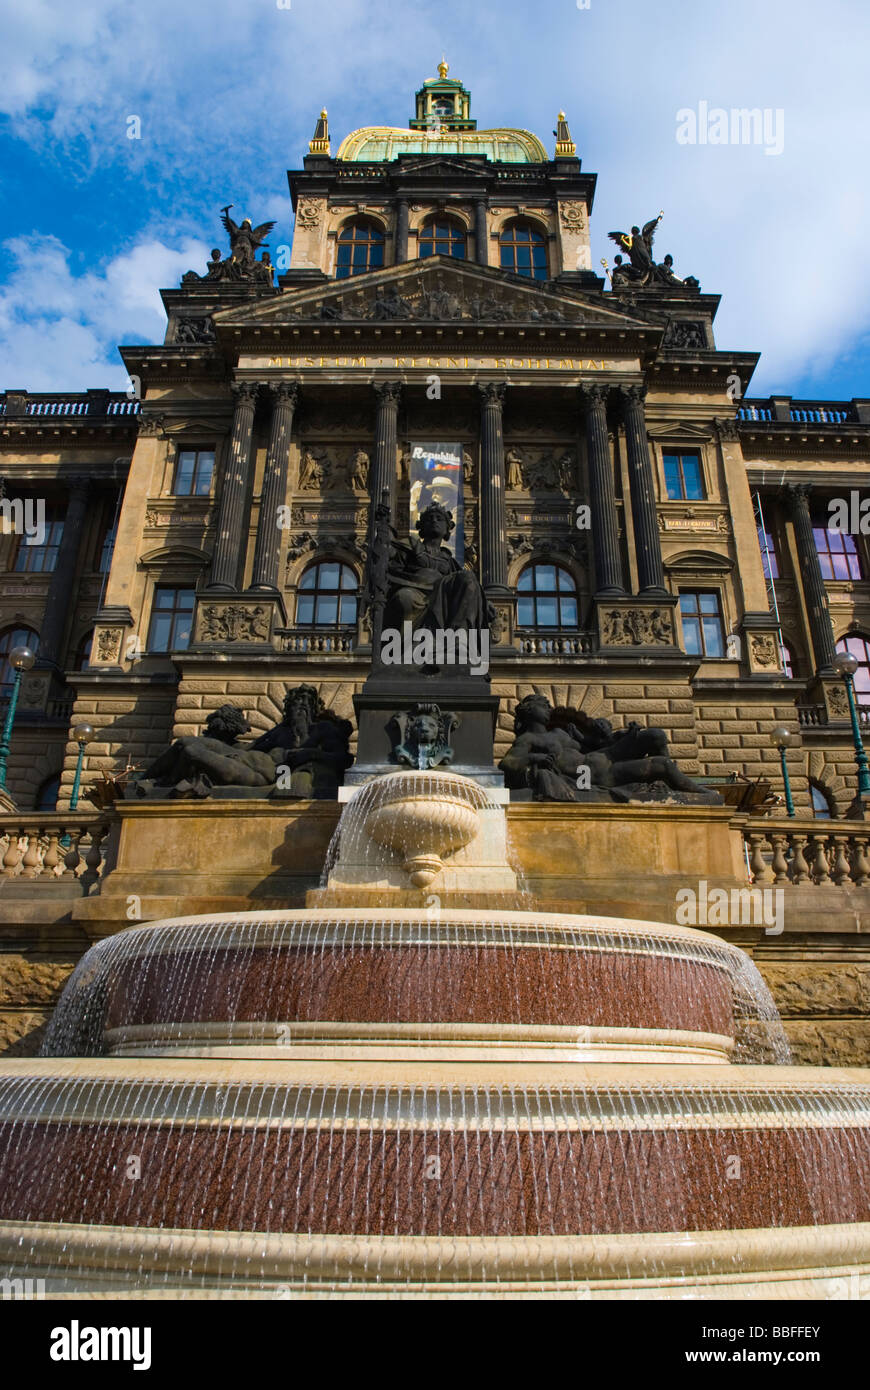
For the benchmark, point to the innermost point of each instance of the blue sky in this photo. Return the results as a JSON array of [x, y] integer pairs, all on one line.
[[228, 94]]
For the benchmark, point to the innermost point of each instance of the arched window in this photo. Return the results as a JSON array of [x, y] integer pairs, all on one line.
[[46, 797], [547, 597], [360, 248], [821, 803], [14, 637], [441, 236], [82, 658], [523, 250], [859, 646], [327, 596]]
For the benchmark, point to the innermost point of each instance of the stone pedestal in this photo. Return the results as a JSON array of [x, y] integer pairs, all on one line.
[[394, 690]]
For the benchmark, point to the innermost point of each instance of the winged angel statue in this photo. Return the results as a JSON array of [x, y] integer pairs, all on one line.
[[244, 242], [638, 243]]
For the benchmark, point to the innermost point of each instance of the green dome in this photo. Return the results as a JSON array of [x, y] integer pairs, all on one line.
[[374, 144]]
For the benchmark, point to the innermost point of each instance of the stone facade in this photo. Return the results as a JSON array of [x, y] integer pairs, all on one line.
[[565, 394]]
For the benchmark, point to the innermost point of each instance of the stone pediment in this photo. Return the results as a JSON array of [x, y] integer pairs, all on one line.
[[438, 290]]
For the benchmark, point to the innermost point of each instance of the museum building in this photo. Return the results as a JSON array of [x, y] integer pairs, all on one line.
[[655, 543]]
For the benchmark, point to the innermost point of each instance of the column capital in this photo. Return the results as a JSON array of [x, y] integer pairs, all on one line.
[[592, 394], [633, 394], [797, 495], [285, 393], [245, 392], [387, 392], [491, 392]]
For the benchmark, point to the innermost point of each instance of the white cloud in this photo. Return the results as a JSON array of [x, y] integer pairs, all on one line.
[[229, 93], [60, 330]]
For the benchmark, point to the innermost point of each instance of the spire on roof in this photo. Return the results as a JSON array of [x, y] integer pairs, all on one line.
[[320, 143], [565, 147]]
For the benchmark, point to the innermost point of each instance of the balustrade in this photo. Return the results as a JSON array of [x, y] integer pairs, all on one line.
[[826, 854]]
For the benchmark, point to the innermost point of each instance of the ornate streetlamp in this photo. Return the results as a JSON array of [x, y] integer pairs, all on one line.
[[20, 659], [83, 734], [782, 739], [845, 664]]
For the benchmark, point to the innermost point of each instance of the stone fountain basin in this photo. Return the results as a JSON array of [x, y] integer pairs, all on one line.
[[578, 1181], [468, 984]]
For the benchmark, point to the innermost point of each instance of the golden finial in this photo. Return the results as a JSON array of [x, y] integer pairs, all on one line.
[[443, 68], [561, 116], [323, 114]]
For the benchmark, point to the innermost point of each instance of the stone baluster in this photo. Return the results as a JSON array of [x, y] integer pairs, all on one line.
[[13, 855], [840, 867], [650, 570], [815, 593], [30, 864], [800, 869], [860, 865], [820, 868], [51, 859], [602, 496], [267, 553], [493, 540], [227, 558], [759, 867], [780, 862]]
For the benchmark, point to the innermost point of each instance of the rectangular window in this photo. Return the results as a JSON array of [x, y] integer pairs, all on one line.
[[171, 619], [193, 473], [769, 561], [38, 554], [837, 552], [701, 615], [107, 549], [683, 477]]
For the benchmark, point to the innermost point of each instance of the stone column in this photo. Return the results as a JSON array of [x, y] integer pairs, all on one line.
[[650, 570], [383, 471], [58, 601], [492, 541], [401, 231], [227, 557], [602, 495], [481, 248], [815, 594], [267, 552]]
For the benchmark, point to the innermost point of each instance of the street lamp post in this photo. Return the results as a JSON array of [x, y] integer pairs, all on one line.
[[83, 734], [845, 664], [20, 659], [782, 739]]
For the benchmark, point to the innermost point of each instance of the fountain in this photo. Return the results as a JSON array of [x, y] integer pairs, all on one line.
[[425, 1083], [427, 1098]]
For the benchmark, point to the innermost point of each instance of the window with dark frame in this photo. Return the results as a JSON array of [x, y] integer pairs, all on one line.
[[838, 554], [327, 596], [14, 637], [859, 646], [769, 558], [194, 470], [703, 630], [441, 236], [523, 251], [171, 619], [684, 478], [360, 248], [35, 556], [547, 597], [821, 803]]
